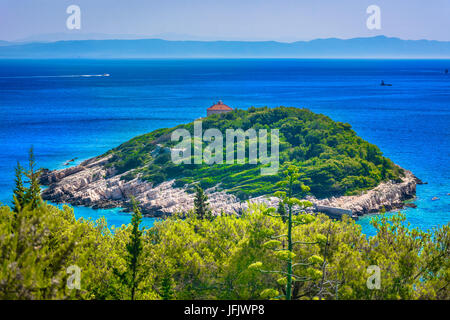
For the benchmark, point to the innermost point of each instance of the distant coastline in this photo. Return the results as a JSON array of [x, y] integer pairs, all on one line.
[[365, 48]]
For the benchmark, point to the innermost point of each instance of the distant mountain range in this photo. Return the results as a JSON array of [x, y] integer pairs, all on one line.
[[373, 47], [77, 35]]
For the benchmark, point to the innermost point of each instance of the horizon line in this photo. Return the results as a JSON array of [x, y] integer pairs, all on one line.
[[19, 42]]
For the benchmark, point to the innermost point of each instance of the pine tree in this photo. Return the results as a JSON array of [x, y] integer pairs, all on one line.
[[131, 279], [291, 178], [33, 194], [20, 190], [134, 248], [201, 206], [167, 287], [287, 200], [281, 210]]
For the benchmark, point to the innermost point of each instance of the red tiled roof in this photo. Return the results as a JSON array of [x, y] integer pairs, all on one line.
[[219, 106]]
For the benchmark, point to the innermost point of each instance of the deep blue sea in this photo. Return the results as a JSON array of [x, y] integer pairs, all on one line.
[[66, 109]]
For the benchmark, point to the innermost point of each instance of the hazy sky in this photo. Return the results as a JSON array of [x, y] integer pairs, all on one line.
[[283, 20]]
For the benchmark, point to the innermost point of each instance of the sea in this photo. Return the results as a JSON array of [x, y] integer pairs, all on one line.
[[77, 109]]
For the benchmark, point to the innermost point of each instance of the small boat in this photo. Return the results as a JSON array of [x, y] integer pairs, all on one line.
[[106, 74], [385, 84], [446, 71]]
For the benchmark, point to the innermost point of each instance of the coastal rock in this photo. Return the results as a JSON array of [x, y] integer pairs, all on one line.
[[389, 195], [91, 183]]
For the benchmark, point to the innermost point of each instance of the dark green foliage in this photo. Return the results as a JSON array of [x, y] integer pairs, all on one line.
[[129, 163], [134, 248], [156, 178], [288, 183], [203, 259], [162, 159], [308, 256], [167, 290], [23, 195], [201, 207], [331, 159], [132, 276], [33, 193], [35, 250], [193, 258], [281, 210], [19, 190]]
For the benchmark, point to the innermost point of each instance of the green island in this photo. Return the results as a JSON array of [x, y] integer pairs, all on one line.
[[332, 159]]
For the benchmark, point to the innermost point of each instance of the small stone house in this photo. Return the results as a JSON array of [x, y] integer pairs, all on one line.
[[219, 107]]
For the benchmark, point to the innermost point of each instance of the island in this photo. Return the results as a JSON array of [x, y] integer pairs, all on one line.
[[343, 171]]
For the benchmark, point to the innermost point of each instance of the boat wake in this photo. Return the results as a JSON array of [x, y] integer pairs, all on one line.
[[60, 76]]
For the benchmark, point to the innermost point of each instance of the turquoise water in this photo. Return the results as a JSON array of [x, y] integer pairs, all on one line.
[[115, 217], [65, 113]]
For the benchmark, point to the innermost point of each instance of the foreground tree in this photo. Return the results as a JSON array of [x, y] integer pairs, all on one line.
[[201, 206], [290, 181], [33, 193], [132, 277], [191, 258], [167, 286], [20, 190], [36, 247], [414, 264]]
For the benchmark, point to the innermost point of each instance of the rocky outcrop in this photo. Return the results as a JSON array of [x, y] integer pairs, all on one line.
[[93, 184], [389, 195]]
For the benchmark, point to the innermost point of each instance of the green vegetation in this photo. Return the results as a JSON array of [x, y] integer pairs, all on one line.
[[19, 191], [222, 258], [131, 278], [201, 206], [204, 259], [331, 159], [287, 254]]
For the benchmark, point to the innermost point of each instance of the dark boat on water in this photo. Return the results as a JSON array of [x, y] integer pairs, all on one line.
[[385, 84]]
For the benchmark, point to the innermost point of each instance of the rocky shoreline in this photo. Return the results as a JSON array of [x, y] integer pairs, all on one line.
[[92, 184]]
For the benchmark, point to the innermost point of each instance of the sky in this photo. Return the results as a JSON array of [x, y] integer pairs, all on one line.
[[279, 20]]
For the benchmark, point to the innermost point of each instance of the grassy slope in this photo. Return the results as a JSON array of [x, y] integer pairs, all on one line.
[[332, 159]]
